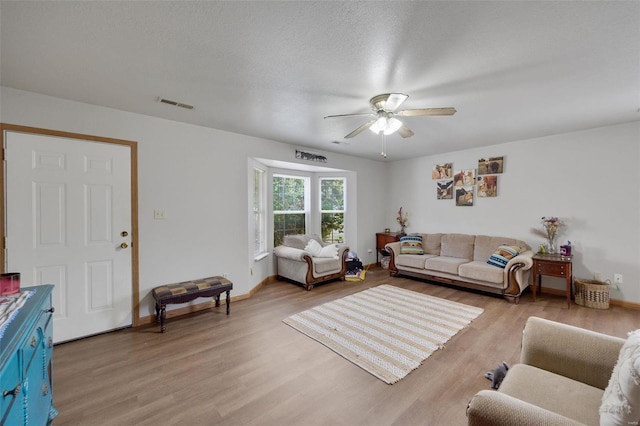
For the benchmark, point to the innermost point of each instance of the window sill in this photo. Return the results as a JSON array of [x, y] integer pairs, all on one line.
[[260, 256]]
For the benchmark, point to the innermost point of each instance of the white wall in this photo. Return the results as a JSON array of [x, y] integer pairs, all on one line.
[[199, 177], [589, 179]]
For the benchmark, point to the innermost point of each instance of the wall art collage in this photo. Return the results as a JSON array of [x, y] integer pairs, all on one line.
[[459, 184]]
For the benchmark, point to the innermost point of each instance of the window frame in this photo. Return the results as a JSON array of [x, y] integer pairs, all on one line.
[[260, 214]]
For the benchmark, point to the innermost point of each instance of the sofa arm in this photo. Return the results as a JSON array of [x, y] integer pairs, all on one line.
[[394, 250], [516, 273], [492, 408], [393, 247], [291, 253], [576, 353]]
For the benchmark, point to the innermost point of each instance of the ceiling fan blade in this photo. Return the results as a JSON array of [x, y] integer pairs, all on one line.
[[360, 129], [394, 101], [426, 111], [405, 132], [364, 114]]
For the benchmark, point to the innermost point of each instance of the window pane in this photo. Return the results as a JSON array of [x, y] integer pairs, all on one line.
[[287, 224], [333, 227], [288, 194], [332, 194]]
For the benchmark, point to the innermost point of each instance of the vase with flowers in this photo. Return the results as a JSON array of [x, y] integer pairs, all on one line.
[[402, 220], [551, 225]]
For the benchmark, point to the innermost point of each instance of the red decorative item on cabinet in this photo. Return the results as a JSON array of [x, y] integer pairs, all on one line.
[[9, 283]]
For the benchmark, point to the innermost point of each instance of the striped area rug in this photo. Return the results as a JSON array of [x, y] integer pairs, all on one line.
[[385, 330]]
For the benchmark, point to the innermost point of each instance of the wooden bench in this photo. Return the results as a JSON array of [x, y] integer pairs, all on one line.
[[187, 291]]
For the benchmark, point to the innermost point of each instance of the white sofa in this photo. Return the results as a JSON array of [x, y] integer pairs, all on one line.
[[297, 264], [461, 259]]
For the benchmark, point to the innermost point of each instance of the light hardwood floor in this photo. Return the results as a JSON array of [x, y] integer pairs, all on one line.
[[249, 368]]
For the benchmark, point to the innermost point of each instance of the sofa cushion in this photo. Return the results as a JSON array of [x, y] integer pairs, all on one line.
[[553, 392], [325, 265], [411, 244], [621, 399], [431, 243], [481, 271], [300, 241], [503, 255], [412, 261], [446, 264], [458, 245]]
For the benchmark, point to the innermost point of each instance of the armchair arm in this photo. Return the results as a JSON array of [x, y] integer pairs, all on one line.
[[492, 408], [342, 249], [291, 253], [576, 353]]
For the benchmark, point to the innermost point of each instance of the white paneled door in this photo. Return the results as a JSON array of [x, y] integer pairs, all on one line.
[[68, 223]]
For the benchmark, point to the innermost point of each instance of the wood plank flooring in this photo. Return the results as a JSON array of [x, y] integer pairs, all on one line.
[[249, 368]]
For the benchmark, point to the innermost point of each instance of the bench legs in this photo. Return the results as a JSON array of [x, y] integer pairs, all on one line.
[[161, 309], [161, 315]]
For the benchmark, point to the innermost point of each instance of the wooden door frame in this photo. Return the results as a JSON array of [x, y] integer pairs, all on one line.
[[135, 265]]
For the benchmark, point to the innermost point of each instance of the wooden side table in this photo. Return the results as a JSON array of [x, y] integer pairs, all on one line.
[[553, 265], [383, 238]]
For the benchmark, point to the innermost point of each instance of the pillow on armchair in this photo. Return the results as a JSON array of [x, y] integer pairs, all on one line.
[[621, 399], [317, 250]]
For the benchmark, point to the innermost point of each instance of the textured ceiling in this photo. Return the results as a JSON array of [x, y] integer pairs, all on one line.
[[513, 70]]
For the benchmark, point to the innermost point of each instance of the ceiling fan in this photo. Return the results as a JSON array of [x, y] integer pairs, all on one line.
[[384, 116]]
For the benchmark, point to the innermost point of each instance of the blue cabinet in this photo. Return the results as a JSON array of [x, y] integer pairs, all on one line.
[[26, 349]]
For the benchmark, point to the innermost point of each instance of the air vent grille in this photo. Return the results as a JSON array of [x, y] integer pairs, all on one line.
[[175, 103]]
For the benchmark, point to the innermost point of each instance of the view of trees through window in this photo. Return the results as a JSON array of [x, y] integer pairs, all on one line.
[[332, 209], [289, 207]]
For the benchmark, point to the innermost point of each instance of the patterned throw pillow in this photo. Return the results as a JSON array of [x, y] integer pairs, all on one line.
[[411, 244], [503, 255]]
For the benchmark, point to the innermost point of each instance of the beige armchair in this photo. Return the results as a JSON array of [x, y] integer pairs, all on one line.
[[297, 262], [564, 372]]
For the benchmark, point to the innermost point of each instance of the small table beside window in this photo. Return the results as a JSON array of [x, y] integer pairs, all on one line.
[[553, 265]]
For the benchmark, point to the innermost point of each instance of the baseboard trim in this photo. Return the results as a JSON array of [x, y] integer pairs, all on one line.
[[151, 319], [612, 302]]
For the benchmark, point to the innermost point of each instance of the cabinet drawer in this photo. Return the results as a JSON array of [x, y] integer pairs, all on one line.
[[554, 269], [10, 386]]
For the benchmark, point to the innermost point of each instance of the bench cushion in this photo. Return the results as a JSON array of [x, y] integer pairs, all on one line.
[[189, 287]]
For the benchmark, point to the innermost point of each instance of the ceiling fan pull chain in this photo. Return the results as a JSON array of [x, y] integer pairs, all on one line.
[[383, 153]]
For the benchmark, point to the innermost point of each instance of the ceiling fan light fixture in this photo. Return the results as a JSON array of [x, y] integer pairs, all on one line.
[[392, 126], [380, 125]]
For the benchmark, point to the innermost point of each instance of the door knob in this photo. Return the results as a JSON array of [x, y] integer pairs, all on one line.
[[124, 245]]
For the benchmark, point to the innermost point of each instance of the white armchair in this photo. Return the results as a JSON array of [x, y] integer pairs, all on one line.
[[300, 265]]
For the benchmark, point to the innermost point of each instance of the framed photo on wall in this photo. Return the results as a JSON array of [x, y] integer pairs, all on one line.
[[444, 190], [487, 186], [464, 196], [464, 177], [490, 165], [442, 171]]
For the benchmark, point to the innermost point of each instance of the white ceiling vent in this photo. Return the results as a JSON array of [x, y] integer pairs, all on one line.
[[174, 103]]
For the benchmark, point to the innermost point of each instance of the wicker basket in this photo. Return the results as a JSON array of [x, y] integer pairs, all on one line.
[[592, 293]]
